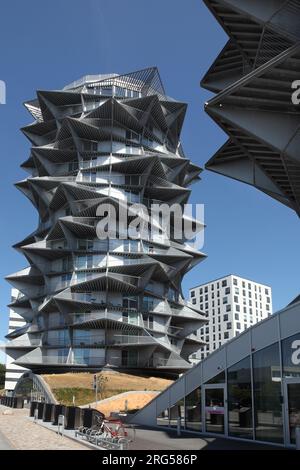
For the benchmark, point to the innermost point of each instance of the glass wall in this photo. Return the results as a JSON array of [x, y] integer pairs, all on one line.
[[193, 418], [177, 411], [239, 398], [163, 419], [267, 395], [291, 356], [215, 410], [259, 401]]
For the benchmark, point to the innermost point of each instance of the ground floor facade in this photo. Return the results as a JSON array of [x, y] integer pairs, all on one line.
[[249, 389]]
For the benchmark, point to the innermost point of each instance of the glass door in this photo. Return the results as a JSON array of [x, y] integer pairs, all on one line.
[[215, 412], [292, 408]]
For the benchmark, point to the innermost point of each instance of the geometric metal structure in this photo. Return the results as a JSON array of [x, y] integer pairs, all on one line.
[[92, 303], [252, 78]]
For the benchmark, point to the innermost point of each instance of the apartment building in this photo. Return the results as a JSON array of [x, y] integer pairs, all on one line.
[[232, 304]]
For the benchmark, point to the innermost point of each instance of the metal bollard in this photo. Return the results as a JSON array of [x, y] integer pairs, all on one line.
[[61, 425], [297, 433], [36, 415]]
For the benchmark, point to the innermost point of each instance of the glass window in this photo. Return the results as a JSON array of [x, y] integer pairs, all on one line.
[[218, 379], [163, 419], [267, 395], [291, 356], [193, 420], [214, 410], [224, 283], [239, 400], [235, 282], [177, 411]]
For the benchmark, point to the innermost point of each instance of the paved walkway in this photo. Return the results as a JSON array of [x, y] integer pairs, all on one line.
[[19, 433], [153, 439], [4, 444]]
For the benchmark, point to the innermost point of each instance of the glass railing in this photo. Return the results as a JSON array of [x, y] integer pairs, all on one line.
[[174, 330], [124, 339]]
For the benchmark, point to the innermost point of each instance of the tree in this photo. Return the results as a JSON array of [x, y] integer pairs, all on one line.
[[2, 375]]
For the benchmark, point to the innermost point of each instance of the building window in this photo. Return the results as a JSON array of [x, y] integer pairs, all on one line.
[[225, 300], [225, 317], [164, 418], [236, 299], [224, 283], [235, 283], [290, 359], [237, 308], [227, 290], [229, 326], [206, 289], [226, 335], [267, 291], [236, 316], [238, 325], [228, 308], [192, 293], [267, 393], [193, 421], [239, 400], [194, 301]]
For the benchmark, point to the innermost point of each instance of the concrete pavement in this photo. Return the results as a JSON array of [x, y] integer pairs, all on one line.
[[4, 444], [159, 439]]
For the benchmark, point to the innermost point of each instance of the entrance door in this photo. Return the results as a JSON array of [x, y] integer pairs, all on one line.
[[292, 408], [215, 410]]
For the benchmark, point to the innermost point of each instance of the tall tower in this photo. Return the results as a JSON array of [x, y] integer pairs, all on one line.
[[253, 78], [90, 302]]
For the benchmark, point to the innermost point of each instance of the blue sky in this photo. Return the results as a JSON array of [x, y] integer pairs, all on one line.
[[48, 44]]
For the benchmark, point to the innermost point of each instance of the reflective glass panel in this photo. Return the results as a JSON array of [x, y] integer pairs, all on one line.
[[177, 412], [267, 395], [239, 399], [214, 410], [291, 356], [193, 420], [293, 391], [163, 419]]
